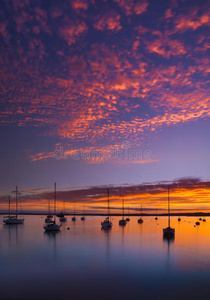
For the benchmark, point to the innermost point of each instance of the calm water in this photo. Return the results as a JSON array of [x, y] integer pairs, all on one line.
[[85, 262]]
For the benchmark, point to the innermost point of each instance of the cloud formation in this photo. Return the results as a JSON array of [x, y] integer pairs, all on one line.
[[96, 72]]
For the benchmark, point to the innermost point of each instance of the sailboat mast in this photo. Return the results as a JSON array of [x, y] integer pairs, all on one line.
[[168, 209], [9, 207], [49, 206], [64, 208], [123, 207], [54, 200], [108, 202], [16, 201]]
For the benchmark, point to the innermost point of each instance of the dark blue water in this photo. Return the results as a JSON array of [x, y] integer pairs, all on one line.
[[86, 262]]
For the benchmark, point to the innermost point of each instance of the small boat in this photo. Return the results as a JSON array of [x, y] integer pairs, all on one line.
[[156, 218], [204, 220], [60, 215], [83, 217], [127, 219], [179, 219], [74, 218], [198, 223], [168, 232], [107, 223], [52, 226], [140, 220], [122, 222], [9, 220], [49, 218]]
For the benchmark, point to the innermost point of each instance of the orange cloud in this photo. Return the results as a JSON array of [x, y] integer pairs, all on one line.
[[80, 4], [140, 7], [166, 47], [110, 21], [130, 7], [192, 21], [169, 14], [74, 31]]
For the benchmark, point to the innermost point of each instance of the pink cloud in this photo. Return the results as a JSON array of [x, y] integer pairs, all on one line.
[[192, 21], [79, 4], [73, 31], [109, 21]]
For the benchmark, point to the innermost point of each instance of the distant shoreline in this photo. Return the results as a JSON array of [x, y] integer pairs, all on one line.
[[198, 214]]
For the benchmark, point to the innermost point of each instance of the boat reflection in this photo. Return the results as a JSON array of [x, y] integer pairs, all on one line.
[[169, 240]]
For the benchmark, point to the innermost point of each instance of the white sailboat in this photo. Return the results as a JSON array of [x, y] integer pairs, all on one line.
[[140, 220], [168, 232], [53, 226], [107, 222], [122, 222], [13, 219]]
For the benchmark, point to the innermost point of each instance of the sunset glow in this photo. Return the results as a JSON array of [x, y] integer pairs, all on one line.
[[98, 94]]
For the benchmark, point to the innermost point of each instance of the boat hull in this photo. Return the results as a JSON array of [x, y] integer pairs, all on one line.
[[122, 222], [168, 231], [47, 220], [106, 224], [52, 227], [14, 221]]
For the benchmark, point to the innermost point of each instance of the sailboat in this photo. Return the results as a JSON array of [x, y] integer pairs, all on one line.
[[13, 219], [107, 223], [197, 223], [74, 218], [61, 215], [140, 220], [122, 222], [168, 232], [83, 217], [53, 226], [127, 219], [49, 218], [156, 218], [179, 219]]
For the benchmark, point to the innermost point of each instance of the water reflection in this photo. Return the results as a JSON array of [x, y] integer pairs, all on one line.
[[12, 233], [52, 236], [106, 232], [168, 240], [89, 262]]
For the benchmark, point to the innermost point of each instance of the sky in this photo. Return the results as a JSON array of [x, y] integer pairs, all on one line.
[[98, 93]]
